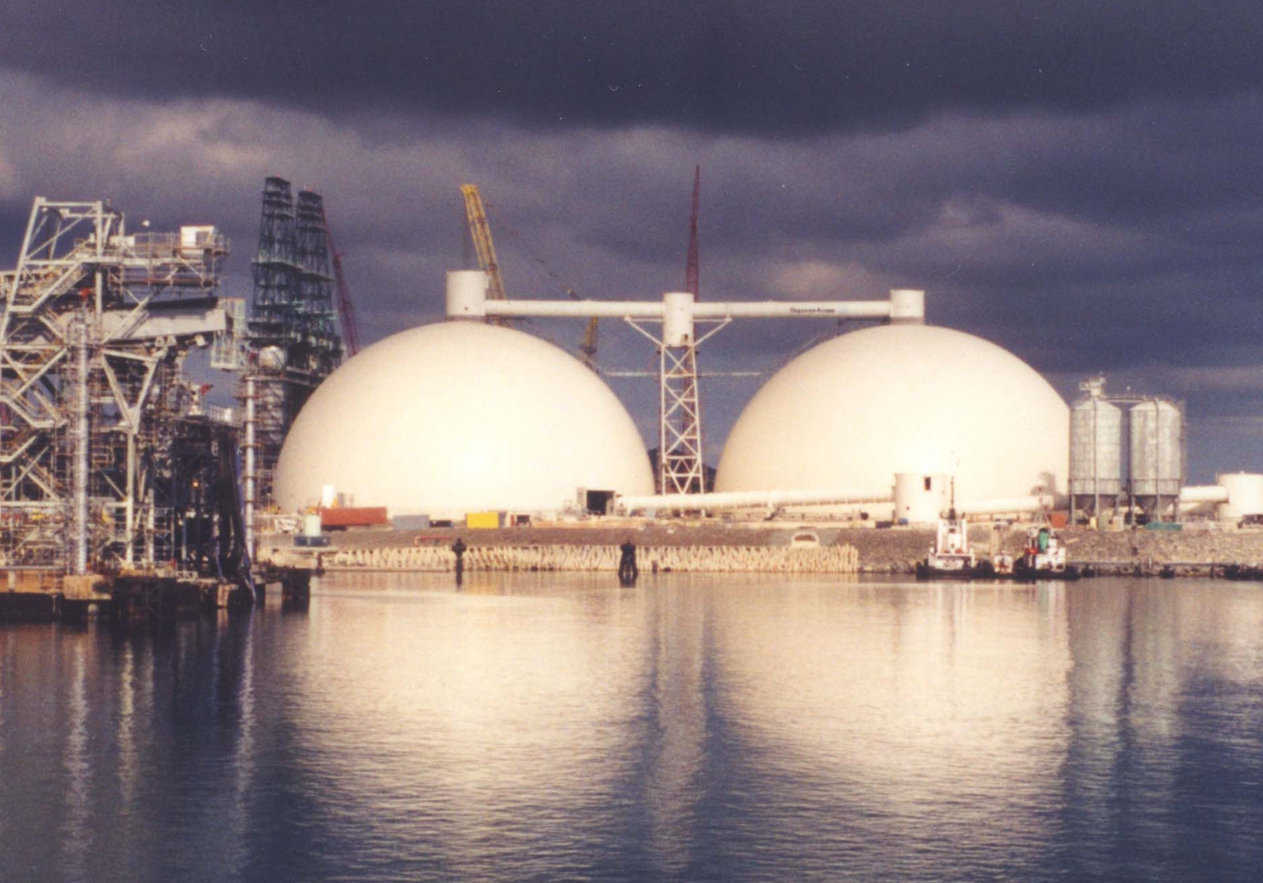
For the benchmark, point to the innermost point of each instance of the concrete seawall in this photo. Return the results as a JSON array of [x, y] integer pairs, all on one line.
[[762, 547], [686, 559]]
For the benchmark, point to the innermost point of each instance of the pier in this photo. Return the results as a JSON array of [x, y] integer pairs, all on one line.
[[143, 596]]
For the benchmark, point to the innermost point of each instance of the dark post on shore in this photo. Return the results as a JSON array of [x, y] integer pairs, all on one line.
[[627, 569], [458, 548]]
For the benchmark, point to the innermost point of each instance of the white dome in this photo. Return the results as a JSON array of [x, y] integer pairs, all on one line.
[[461, 417], [850, 413]]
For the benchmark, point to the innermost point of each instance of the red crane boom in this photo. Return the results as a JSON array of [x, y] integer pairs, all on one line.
[[346, 311]]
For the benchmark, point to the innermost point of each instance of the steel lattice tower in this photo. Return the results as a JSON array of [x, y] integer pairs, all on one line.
[[680, 426], [293, 331], [680, 465]]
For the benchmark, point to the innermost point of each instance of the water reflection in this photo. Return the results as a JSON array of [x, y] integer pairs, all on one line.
[[1162, 769], [704, 727]]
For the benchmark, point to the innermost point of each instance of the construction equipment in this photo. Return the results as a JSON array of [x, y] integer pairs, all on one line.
[[346, 310], [692, 274], [480, 233], [294, 339], [588, 345]]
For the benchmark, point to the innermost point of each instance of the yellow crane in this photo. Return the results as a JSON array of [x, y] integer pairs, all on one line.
[[588, 345], [480, 232]]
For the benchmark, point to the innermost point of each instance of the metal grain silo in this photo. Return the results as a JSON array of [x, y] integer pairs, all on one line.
[[1096, 450], [1157, 450]]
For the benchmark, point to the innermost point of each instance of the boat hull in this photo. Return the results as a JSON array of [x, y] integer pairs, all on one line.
[[1026, 573], [981, 570]]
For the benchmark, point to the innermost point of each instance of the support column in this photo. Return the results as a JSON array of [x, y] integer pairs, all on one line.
[[249, 467], [79, 443], [680, 412]]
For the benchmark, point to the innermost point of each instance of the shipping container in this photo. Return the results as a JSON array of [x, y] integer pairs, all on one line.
[[484, 520], [353, 516]]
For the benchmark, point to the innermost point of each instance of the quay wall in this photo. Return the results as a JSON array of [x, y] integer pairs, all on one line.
[[650, 559], [716, 546]]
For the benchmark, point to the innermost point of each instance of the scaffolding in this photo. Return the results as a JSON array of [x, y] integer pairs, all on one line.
[[95, 325], [294, 341]]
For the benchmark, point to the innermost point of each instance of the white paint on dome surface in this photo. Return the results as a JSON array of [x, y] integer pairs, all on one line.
[[855, 410], [461, 417]]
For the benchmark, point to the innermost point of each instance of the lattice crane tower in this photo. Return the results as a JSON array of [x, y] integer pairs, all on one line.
[[293, 332]]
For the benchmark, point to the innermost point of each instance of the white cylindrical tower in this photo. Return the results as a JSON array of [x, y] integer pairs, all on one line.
[[921, 498], [1245, 496], [677, 318], [466, 294]]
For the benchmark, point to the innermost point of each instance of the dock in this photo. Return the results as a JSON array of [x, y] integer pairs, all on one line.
[[142, 595]]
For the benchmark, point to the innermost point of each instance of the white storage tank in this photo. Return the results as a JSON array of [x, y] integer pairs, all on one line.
[[1157, 448], [920, 498], [461, 417], [1245, 495], [857, 409]]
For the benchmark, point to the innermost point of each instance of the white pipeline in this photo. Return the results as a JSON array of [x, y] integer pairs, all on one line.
[[467, 299], [1204, 493], [1032, 503], [745, 499]]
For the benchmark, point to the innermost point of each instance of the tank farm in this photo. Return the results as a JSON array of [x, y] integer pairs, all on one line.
[[125, 493]]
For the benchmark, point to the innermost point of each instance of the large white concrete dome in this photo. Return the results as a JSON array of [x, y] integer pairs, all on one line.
[[850, 413], [461, 417]]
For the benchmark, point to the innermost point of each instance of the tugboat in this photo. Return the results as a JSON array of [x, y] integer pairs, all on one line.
[[1044, 558], [951, 557], [1003, 564]]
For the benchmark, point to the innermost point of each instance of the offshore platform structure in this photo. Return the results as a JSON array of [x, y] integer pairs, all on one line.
[[108, 459], [293, 337]]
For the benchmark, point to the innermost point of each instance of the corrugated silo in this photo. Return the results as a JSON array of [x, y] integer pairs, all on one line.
[[1157, 451], [1096, 452]]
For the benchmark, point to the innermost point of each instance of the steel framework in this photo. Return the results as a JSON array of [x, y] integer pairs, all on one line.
[[294, 341], [95, 324], [679, 312], [680, 421]]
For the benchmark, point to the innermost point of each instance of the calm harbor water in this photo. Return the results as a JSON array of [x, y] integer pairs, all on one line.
[[702, 728]]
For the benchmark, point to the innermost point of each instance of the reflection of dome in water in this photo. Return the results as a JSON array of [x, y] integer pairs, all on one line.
[[461, 417], [850, 413]]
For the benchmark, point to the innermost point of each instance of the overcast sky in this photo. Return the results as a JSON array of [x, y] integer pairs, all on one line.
[[1078, 181]]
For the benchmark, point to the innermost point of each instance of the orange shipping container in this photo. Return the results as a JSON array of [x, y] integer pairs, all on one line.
[[352, 516]]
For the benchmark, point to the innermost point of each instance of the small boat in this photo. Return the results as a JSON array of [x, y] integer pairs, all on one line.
[[951, 556], [1003, 564], [1044, 558]]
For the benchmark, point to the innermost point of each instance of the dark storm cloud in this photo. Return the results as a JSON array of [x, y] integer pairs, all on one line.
[[1080, 182], [805, 66]]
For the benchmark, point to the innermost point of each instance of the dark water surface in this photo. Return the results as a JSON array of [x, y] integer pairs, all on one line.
[[701, 728]]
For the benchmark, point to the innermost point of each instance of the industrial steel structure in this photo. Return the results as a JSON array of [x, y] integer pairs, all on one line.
[[294, 342], [97, 416], [679, 429], [1126, 452]]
